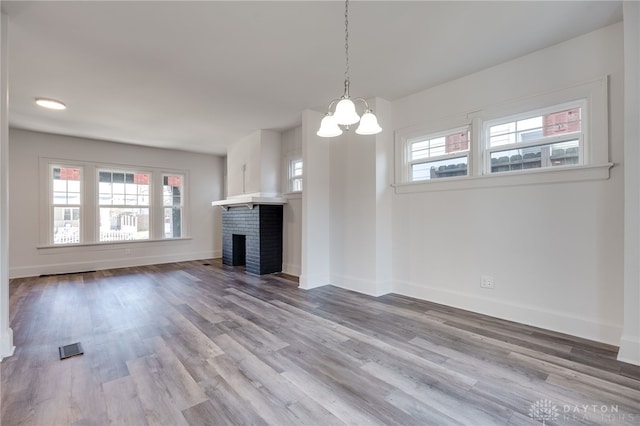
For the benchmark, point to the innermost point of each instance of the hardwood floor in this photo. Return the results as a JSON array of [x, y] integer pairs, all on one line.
[[196, 344]]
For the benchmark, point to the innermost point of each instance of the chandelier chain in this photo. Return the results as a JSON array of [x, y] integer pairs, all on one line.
[[346, 40]]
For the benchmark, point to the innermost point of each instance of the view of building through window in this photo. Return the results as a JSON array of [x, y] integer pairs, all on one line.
[[530, 142], [441, 156], [124, 205], [66, 204], [296, 176], [172, 200]]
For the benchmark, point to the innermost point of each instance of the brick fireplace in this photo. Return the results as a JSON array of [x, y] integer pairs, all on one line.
[[252, 236]]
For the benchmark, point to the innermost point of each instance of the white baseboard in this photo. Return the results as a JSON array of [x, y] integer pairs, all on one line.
[[95, 265], [536, 316], [307, 282], [629, 350], [369, 287]]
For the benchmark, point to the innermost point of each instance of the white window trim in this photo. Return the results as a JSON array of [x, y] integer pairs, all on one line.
[[90, 209], [581, 135], [184, 226], [595, 149], [427, 136], [290, 177], [50, 205]]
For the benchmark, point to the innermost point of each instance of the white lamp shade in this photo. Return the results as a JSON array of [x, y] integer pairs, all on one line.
[[368, 124], [329, 127], [346, 112]]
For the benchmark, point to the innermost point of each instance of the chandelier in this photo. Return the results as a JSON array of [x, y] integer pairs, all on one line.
[[345, 113]]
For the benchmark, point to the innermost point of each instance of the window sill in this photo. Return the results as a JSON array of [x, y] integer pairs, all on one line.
[[110, 245], [533, 177]]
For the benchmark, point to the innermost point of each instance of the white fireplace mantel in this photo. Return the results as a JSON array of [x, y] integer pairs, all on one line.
[[249, 201]]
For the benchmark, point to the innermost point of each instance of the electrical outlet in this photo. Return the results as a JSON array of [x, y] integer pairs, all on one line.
[[486, 281]]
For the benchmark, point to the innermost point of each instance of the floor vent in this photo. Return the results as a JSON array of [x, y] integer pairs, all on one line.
[[206, 264], [70, 350]]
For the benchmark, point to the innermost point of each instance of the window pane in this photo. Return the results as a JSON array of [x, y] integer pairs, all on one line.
[[105, 199], [124, 190], [66, 225], [529, 123], [171, 191], [60, 185], [73, 186], [123, 224], [419, 150], [65, 185], [172, 222], [439, 169], [73, 198], [457, 141], [296, 168], [118, 188], [296, 185], [536, 127], [548, 155], [59, 198], [562, 122], [104, 188]]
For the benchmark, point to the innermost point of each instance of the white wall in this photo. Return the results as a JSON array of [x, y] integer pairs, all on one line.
[[316, 225], [555, 250], [630, 341], [205, 184], [292, 211], [360, 182], [253, 164]]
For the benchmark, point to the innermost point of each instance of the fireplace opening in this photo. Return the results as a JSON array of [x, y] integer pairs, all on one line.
[[239, 250]]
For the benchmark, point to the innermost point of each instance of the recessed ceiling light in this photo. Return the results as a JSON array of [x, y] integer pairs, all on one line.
[[50, 103]]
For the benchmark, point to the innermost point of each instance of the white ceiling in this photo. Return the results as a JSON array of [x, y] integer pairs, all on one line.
[[199, 75]]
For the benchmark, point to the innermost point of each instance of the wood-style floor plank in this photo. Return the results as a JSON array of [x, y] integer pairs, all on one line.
[[194, 344]]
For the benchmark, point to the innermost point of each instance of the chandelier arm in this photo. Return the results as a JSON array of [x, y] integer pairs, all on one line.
[[366, 104], [331, 104]]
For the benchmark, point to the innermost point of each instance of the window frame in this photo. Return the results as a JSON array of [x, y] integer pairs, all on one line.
[[52, 205], [100, 206], [90, 206], [458, 154], [581, 136], [183, 192], [595, 144], [293, 177]]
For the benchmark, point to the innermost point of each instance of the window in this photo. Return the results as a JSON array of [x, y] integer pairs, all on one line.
[[295, 175], [438, 155], [124, 205], [65, 204], [87, 203], [561, 135], [172, 200], [544, 138]]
